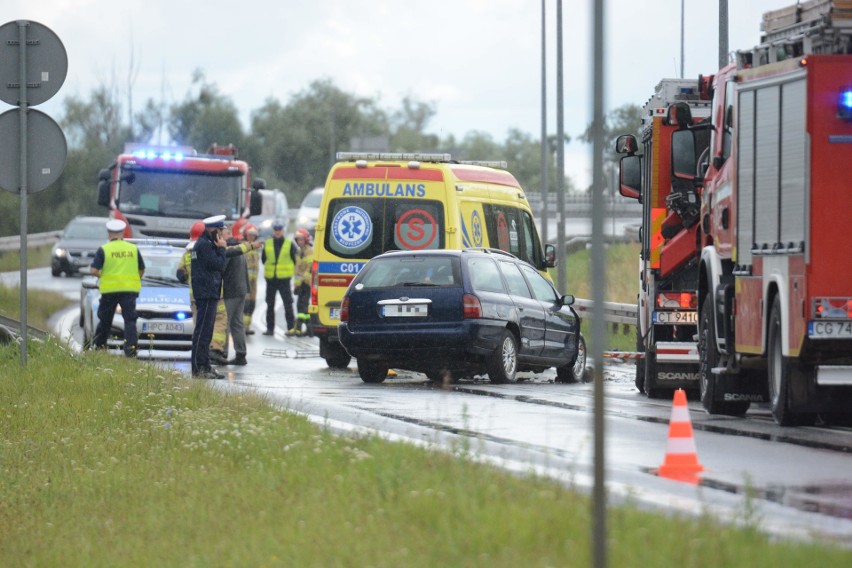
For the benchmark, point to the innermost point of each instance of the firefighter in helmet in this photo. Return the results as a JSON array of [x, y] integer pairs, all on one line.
[[302, 282]]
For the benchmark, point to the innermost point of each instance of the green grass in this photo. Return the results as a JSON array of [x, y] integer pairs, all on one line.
[[622, 285], [37, 257], [40, 305], [106, 461]]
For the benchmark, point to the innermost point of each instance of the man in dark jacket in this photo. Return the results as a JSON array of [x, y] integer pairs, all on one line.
[[208, 262]]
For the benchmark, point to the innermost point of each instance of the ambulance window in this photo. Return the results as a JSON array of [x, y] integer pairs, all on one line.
[[416, 225], [365, 227], [513, 230], [354, 227]]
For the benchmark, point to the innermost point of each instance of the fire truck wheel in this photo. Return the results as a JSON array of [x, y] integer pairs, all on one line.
[[780, 369], [640, 363], [708, 357]]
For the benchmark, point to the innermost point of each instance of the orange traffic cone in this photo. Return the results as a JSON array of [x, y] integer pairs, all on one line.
[[681, 462]]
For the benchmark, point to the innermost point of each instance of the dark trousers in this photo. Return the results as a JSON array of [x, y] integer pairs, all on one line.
[[303, 298], [106, 311], [279, 286], [205, 311]]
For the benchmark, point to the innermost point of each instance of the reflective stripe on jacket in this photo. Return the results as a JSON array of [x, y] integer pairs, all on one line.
[[120, 272], [281, 267]]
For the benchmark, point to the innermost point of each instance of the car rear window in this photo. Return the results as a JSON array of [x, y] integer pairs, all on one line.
[[410, 271]]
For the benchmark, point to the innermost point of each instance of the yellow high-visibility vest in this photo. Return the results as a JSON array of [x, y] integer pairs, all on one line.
[[281, 267], [120, 272]]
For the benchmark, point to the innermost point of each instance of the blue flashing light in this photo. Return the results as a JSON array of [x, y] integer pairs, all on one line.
[[139, 153], [150, 154], [181, 316], [179, 157], [166, 156], [846, 99], [844, 105]]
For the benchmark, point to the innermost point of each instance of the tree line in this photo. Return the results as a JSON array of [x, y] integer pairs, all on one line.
[[291, 145]]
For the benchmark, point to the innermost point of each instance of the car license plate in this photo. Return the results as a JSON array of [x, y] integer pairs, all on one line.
[[334, 313], [162, 327], [676, 317], [405, 310], [830, 329]]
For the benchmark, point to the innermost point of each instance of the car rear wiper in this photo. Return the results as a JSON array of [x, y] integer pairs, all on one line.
[[417, 284]]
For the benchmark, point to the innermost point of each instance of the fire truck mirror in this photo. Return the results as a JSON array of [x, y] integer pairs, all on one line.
[[258, 183], [679, 114], [626, 144], [103, 192], [550, 256], [683, 154], [256, 203], [630, 176]]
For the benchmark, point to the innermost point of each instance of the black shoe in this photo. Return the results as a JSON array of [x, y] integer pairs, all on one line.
[[218, 358], [269, 332], [239, 360], [209, 374], [249, 332]]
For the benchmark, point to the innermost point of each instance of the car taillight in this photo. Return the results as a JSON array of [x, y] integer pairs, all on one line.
[[472, 307], [344, 309], [314, 283]]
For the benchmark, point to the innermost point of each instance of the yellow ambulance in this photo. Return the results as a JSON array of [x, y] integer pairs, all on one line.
[[374, 203]]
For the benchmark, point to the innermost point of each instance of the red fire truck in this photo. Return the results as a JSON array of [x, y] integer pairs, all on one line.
[[774, 285], [667, 349], [162, 191]]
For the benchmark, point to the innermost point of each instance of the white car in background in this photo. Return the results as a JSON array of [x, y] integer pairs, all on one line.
[[308, 213], [163, 307]]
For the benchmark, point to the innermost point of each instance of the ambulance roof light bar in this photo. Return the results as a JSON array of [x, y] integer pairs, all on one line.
[[500, 164], [392, 156]]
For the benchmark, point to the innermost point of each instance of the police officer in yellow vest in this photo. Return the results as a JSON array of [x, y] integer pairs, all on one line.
[[279, 261], [120, 267]]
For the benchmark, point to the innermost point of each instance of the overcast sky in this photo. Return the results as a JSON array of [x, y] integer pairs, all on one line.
[[478, 61]]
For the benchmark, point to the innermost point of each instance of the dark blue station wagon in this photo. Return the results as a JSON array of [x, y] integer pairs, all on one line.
[[452, 314]]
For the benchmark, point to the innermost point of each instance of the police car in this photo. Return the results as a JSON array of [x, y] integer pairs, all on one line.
[[164, 323]]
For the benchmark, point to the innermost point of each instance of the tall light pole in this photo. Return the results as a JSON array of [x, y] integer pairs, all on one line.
[[598, 284], [723, 33], [544, 145], [561, 253], [681, 38]]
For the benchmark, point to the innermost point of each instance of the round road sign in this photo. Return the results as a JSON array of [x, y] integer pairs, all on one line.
[[46, 150], [46, 59]]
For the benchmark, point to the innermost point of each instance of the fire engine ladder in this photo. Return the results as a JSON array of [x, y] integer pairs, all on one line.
[[814, 27]]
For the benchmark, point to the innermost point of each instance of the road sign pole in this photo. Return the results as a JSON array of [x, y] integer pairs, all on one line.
[[22, 110]]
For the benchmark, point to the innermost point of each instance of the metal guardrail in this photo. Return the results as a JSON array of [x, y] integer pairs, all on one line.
[[613, 312], [33, 240], [12, 328]]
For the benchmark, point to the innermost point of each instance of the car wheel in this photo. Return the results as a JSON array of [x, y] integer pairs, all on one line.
[[55, 271], [575, 372], [372, 371], [335, 355], [503, 362], [708, 357]]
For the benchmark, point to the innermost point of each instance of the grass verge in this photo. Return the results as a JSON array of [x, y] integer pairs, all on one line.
[[37, 257], [106, 461]]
